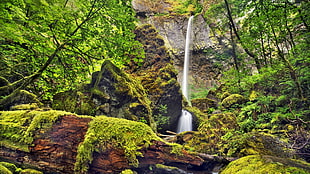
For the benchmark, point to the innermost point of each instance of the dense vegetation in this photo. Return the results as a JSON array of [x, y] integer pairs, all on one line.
[[269, 43], [50, 46]]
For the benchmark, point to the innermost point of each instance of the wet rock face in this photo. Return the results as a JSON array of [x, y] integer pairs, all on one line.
[[207, 56], [159, 77], [210, 52]]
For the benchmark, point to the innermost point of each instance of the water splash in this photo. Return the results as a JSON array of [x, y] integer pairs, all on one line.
[[185, 122]]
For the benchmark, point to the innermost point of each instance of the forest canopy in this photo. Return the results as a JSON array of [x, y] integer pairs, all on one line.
[[49, 46]]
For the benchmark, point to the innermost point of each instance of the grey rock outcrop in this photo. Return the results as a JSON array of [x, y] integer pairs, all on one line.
[[209, 56]]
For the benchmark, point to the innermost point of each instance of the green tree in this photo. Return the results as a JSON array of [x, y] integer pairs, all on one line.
[[271, 34], [48, 46]]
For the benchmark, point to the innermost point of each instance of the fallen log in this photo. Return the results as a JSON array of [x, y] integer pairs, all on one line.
[[51, 141]]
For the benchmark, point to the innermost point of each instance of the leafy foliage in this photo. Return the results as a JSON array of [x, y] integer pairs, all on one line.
[[53, 45]]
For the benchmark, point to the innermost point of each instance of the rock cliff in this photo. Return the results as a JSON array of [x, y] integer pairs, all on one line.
[[208, 51]]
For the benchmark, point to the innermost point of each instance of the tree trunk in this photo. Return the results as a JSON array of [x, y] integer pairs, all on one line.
[[257, 63]]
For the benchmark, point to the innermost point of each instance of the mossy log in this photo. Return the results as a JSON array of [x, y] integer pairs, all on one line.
[[62, 142]]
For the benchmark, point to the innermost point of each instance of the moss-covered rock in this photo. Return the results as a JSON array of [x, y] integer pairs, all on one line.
[[209, 139], [255, 143], [119, 91], [232, 100], [204, 104], [266, 164], [111, 92], [18, 97]]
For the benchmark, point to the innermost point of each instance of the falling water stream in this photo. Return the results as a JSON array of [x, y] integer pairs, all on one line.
[[185, 121]]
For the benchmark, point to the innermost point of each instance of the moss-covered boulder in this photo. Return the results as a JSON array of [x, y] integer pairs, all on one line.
[[255, 143], [209, 139], [18, 97], [259, 164], [112, 92], [232, 100], [204, 104], [119, 94]]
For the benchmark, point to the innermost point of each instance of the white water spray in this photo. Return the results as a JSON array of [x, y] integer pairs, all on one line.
[[185, 121], [186, 58]]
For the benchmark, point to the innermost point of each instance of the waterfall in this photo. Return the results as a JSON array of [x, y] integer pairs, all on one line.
[[186, 58], [185, 121]]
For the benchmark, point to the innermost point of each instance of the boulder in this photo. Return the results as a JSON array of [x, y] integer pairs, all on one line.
[[18, 97], [208, 139], [261, 164], [204, 104], [111, 92], [232, 100], [255, 143]]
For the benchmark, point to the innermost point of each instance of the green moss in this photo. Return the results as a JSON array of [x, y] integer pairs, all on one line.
[[30, 171], [130, 136], [256, 143], [9, 166], [74, 101], [29, 106], [209, 137], [266, 164], [233, 99], [128, 85], [161, 166], [127, 171], [4, 170], [17, 128]]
